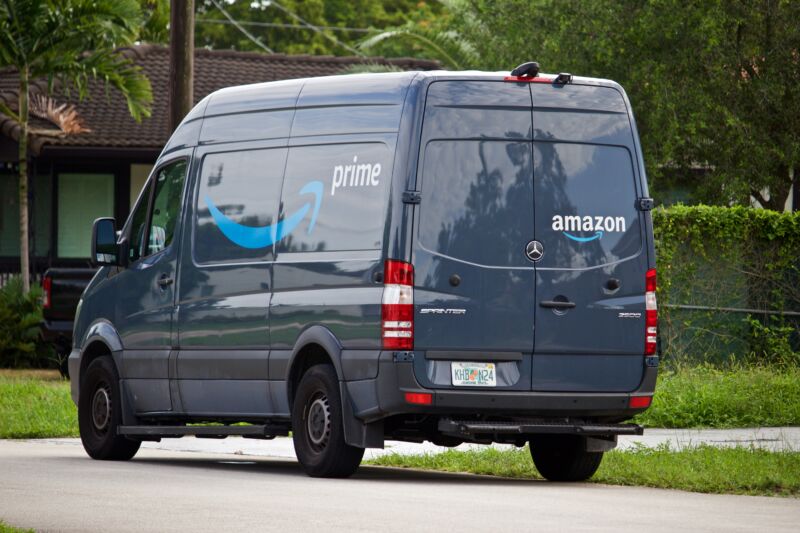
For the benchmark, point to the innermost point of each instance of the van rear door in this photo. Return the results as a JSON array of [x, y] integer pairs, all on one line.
[[590, 283], [474, 287]]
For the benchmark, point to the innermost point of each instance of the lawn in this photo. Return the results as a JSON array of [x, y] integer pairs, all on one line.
[[702, 469], [744, 396], [35, 404], [5, 528]]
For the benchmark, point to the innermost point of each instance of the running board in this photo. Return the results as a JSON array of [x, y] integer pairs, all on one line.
[[209, 432], [469, 428]]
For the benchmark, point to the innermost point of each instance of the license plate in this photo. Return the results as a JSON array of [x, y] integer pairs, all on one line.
[[474, 374]]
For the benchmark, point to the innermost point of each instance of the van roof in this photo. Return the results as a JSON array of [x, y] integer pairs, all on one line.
[[348, 89]]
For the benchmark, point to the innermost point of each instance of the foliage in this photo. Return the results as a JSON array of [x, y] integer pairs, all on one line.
[[700, 469], [300, 39], [714, 84], [446, 47], [155, 26], [5, 528], [73, 42], [35, 408], [736, 396], [732, 258], [20, 315]]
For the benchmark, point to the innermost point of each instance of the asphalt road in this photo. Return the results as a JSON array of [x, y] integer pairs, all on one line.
[[52, 487]]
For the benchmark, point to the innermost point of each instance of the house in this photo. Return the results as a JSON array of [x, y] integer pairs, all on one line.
[[90, 159]]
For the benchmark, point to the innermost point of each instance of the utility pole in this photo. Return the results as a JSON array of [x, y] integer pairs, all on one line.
[[181, 60]]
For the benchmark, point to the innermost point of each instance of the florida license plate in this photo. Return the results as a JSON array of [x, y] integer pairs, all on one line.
[[474, 374]]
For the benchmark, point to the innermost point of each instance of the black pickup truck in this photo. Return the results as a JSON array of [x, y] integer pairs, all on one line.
[[62, 288]]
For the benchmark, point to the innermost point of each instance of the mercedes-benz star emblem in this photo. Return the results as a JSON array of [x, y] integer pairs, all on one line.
[[534, 250]]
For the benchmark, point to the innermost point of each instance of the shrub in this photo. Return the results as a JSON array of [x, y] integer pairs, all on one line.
[[20, 315], [729, 283]]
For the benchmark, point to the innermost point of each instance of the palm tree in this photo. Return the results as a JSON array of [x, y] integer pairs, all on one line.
[[449, 48], [69, 42]]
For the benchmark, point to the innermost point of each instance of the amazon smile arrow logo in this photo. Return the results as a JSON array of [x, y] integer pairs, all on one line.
[[263, 236]]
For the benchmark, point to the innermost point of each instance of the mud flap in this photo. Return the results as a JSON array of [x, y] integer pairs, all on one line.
[[356, 432], [600, 443]]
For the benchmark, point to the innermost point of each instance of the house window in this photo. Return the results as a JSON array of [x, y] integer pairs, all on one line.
[[39, 215], [82, 198]]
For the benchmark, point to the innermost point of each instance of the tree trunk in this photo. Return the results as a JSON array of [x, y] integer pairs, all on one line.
[[24, 252], [181, 60]]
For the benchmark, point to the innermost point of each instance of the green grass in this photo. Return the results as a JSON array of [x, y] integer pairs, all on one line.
[[36, 408], [702, 469], [5, 528], [703, 396]]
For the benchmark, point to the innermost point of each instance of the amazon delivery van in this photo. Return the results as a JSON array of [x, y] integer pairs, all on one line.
[[443, 256]]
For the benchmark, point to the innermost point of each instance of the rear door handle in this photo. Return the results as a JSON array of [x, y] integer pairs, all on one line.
[[553, 304], [165, 282]]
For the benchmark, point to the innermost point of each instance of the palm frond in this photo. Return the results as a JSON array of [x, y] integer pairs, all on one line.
[[447, 47]]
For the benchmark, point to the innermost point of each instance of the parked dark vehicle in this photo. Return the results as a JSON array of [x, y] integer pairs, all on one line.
[[443, 256], [61, 291]]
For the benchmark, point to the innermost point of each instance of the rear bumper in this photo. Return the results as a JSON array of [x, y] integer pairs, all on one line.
[[385, 396], [56, 330]]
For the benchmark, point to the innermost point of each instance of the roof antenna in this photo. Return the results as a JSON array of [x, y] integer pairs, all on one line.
[[527, 70]]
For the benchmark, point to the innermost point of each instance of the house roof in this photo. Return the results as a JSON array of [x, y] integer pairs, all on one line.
[[106, 115]]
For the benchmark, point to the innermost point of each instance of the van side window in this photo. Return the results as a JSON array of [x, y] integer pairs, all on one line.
[[166, 206], [139, 224], [334, 197], [477, 197], [237, 205]]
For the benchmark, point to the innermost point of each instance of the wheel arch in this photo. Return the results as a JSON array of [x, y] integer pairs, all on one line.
[[316, 345]]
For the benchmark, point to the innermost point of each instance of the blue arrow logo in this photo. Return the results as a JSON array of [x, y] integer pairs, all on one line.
[[263, 236], [597, 235]]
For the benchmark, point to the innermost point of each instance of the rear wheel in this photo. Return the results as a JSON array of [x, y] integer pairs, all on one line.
[[100, 413], [318, 428], [563, 457]]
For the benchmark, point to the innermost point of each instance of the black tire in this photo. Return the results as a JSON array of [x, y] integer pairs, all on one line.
[[563, 458], [100, 413], [318, 428]]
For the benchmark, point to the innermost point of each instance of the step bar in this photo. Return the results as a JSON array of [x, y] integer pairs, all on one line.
[[471, 428], [208, 432]]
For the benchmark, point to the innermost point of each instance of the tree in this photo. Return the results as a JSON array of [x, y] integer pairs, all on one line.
[[276, 24], [69, 43], [713, 83]]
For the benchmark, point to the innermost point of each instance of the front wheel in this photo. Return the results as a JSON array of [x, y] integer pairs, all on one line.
[[563, 457], [318, 428], [100, 413]]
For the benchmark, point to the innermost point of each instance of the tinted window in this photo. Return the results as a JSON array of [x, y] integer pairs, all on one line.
[[237, 204], [334, 197], [477, 201], [139, 224], [585, 204], [166, 206]]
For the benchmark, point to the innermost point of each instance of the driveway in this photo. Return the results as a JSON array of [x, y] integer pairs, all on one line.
[[53, 487]]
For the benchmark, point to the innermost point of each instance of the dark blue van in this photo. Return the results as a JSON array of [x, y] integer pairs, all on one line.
[[442, 256]]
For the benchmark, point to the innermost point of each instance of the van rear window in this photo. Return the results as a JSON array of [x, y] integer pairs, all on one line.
[[477, 201], [585, 204]]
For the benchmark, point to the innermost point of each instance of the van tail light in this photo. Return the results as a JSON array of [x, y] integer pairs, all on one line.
[[640, 402], [651, 313], [397, 306], [47, 286]]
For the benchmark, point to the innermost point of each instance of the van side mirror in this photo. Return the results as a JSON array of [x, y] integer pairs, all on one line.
[[105, 250]]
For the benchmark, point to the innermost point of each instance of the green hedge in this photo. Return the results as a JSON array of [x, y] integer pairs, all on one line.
[[738, 271]]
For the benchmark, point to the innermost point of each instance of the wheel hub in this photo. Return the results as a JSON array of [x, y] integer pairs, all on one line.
[[318, 422], [101, 409]]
